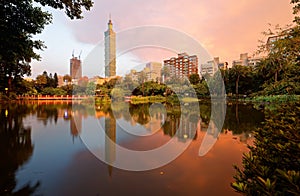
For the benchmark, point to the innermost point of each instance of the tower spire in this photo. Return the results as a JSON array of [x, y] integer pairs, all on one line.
[[110, 22]]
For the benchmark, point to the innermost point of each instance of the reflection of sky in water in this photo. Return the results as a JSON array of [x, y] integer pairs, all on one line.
[[53, 151]]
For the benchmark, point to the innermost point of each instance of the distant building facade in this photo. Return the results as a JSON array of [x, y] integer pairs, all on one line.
[[245, 60], [211, 67], [153, 71], [110, 51], [75, 69], [60, 81], [183, 65]]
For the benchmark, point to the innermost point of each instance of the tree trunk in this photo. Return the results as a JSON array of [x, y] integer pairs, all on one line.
[[237, 113], [237, 86]]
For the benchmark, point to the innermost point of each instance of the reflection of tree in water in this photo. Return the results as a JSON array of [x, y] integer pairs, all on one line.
[[242, 118], [15, 148], [238, 118], [140, 113], [205, 112], [50, 112]]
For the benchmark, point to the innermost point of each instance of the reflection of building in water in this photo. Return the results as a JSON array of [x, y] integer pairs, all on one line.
[[182, 126], [76, 123], [110, 146], [186, 129]]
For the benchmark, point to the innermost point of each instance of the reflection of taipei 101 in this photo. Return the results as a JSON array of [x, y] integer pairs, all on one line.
[[110, 51]]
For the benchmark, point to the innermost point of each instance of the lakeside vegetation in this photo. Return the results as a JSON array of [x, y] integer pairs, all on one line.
[[272, 167]]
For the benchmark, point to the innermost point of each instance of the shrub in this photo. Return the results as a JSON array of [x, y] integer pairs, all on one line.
[[272, 167]]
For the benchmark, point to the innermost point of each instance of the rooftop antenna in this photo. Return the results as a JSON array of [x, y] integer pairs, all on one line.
[[73, 53]]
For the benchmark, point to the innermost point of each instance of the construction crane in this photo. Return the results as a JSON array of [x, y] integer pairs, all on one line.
[[79, 54]]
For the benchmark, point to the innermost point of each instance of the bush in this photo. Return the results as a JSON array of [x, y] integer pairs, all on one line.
[[272, 167]]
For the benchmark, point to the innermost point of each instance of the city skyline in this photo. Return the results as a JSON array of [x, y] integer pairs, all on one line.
[[224, 29]]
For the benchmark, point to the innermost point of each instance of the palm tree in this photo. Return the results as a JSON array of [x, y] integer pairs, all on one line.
[[238, 71]]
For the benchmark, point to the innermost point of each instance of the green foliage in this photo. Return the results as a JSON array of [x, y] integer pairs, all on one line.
[[90, 89], [277, 98], [280, 70], [19, 22], [201, 89], [296, 9], [53, 91], [117, 94], [73, 8], [194, 79], [68, 88], [150, 89], [44, 80], [272, 167]]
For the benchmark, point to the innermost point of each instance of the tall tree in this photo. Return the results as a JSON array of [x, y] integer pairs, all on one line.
[[281, 66], [19, 21], [55, 80], [238, 71]]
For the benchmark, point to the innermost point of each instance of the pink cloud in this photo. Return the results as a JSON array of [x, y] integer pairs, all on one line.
[[225, 28]]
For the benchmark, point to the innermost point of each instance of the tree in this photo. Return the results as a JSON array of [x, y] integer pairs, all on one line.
[[19, 21], [41, 82], [272, 167], [55, 80], [238, 71], [280, 68], [194, 78], [90, 88], [67, 78], [296, 9]]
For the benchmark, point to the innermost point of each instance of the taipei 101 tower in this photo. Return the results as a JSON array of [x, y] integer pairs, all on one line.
[[110, 51]]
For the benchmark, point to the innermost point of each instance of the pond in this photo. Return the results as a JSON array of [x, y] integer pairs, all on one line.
[[58, 148]]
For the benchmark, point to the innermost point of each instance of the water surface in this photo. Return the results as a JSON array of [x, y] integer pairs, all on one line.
[[44, 150]]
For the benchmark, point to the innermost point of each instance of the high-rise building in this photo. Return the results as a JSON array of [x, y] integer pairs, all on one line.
[[153, 71], [245, 60], [110, 51], [75, 68], [211, 67], [183, 65]]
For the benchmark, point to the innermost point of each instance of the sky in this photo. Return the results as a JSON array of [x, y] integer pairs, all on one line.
[[225, 29]]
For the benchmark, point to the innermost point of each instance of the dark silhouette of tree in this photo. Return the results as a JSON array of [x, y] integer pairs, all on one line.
[[55, 80], [19, 21]]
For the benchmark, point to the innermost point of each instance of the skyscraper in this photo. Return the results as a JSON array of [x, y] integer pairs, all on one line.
[[75, 68], [110, 51]]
